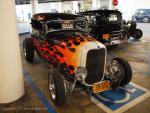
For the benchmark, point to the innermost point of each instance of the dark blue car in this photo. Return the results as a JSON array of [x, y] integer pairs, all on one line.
[[142, 15]]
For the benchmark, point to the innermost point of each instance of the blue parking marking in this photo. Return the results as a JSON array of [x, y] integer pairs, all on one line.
[[149, 63], [41, 96], [25, 33], [121, 99]]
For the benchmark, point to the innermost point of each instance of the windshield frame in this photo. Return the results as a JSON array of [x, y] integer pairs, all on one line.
[[50, 35]]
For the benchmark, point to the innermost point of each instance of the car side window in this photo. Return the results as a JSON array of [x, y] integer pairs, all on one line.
[[147, 12], [142, 12]]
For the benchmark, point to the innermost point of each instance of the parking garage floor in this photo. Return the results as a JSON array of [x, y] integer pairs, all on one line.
[[37, 98]]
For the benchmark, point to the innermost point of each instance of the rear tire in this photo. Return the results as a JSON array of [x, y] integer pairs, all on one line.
[[138, 34], [56, 87], [127, 71], [28, 49]]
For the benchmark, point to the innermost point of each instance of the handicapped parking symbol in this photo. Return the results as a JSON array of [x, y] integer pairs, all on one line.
[[124, 96], [120, 96]]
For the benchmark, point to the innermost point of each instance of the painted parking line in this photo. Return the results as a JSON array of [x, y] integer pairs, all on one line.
[[121, 100], [24, 33], [137, 41], [40, 95]]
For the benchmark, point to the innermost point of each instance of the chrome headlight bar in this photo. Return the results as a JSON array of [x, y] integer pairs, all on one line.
[[81, 73]]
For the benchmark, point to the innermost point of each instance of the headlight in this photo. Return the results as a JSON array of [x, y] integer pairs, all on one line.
[[81, 73]]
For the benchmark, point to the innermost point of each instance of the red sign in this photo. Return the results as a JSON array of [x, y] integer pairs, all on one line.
[[115, 2]]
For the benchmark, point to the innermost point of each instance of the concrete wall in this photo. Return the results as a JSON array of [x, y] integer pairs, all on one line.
[[67, 7], [49, 7], [128, 7], [24, 12]]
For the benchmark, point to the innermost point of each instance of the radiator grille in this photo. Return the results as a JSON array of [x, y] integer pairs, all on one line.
[[95, 65], [115, 35]]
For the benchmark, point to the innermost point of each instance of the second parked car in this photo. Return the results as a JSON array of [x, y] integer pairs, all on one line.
[[106, 26], [142, 15]]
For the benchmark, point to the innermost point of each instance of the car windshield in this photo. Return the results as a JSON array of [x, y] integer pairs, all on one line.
[[109, 18], [112, 17], [79, 23], [101, 19], [54, 25]]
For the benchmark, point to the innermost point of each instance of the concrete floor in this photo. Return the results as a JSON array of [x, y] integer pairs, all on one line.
[[136, 52]]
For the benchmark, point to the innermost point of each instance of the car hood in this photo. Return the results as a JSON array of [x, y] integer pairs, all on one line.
[[70, 52]]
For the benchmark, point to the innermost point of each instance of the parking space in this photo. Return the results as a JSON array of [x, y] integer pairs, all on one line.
[[37, 99], [145, 27]]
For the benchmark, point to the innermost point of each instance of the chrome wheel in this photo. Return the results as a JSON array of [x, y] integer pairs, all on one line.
[[116, 71], [52, 87], [24, 51], [146, 19], [56, 86]]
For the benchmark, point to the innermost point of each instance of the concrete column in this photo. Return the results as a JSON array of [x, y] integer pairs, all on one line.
[[11, 76], [80, 5], [98, 4], [34, 4], [60, 7], [94, 4], [75, 7]]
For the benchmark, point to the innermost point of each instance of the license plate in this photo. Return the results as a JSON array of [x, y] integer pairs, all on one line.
[[106, 36], [67, 25], [101, 86]]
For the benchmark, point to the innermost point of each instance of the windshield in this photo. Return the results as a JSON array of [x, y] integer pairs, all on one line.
[[78, 23], [103, 18], [52, 25], [108, 18], [113, 17]]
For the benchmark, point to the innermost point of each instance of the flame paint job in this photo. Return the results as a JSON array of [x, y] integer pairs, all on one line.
[[64, 51]]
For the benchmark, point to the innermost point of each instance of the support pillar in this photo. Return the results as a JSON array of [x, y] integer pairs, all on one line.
[[75, 7], [11, 76], [98, 4], [80, 5], [94, 4], [34, 4]]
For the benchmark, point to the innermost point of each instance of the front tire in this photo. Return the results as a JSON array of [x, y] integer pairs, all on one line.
[[127, 71], [56, 87], [125, 34], [146, 19], [28, 49]]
